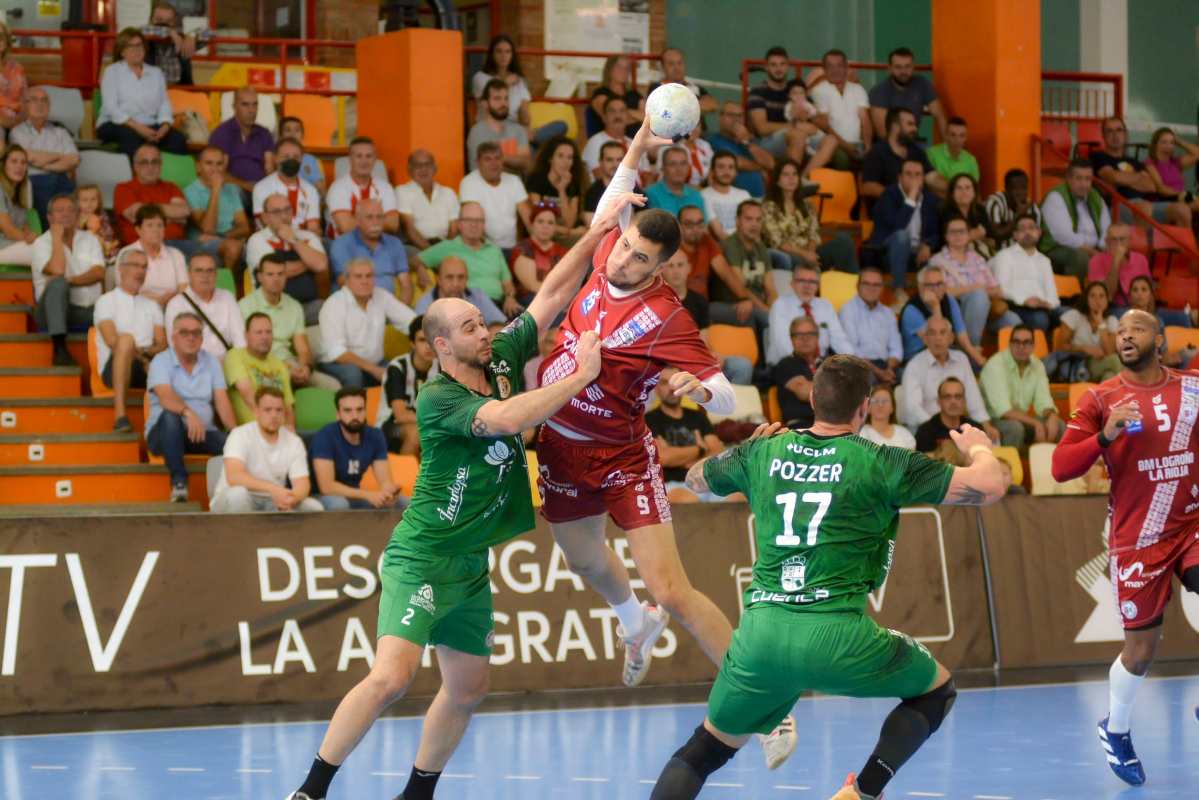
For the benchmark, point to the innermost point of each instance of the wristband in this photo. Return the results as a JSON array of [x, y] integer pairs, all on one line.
[[976, 448], [1103, 440]]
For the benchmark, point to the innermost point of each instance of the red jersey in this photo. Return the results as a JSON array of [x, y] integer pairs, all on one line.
[[641, 333], [130, 192], [1155, 484]]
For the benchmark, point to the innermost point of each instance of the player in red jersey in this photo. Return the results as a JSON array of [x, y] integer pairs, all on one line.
[[597, 457], [1142, 423]]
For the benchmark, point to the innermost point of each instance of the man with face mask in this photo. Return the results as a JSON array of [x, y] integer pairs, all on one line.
[[903, 88], [302, 196], [493, 125], [344, 450]]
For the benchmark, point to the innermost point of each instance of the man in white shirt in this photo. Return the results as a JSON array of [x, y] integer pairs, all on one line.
[[303, 249], [261, 458], [129, 333], [844, 110], [1025, 275], [303, 199], [68, 276], [721, 197], [216, 308], [428, 210], [1076, 221], [501, 194], [615, 121], [805, 282], [352, 322], [360, 183], [51, 150], [928, 368]]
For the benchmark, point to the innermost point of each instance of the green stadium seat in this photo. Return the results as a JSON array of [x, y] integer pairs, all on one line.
[[179, 170], [314, 408], [225, 280]]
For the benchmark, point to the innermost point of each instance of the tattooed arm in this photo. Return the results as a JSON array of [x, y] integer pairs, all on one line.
[[981, 483]]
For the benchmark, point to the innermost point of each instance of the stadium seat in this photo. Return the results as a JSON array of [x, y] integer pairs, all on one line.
[[1040, 466], [1178, 337], [1077, 390], [404, 470], [395, 342], [341, 166], [542, 113], [373, 394], [531, 458], [226, 281], [733, 340], [183, 100], [1040, 344], [1057, 135], [1067, 286], [66, 108], [1012, 456], [838, 287], [748, 405], [319, 115], [313, 334], [1177, 290], [212, 473], [179, 170], [774, 411], [314, 408], [844, 195], [105, 169], [268, 114], [1061, 338], [1088, 134], [98, 389]]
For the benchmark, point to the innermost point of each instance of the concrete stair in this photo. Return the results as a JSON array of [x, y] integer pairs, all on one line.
[[36, 349], [38, 415], [41, 381], [71, 484], [16, 287], [15, 317], [69, 448]]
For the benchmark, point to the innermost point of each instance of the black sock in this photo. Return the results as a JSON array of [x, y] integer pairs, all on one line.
[[59, 341], [685, 773], [316, 785], [420, 785], [904, 731]]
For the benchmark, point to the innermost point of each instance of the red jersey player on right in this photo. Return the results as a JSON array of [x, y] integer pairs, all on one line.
[[1142, 422]]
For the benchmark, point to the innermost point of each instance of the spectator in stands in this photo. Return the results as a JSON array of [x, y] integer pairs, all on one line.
[[616, 81], [1117, 264], [673, 192], [16, 236], [367, 239], [253, 365], [674, 70], [488, 268], [871, 328], [803, 302], [218, 215], [94, 218], [494, 127], [1003, 208], [721, 197], [767, 110], [676, 274], [129, 333], [753, 161], [1076, 221], [261, 458], [310, 168], [952, 401], [342, 451], [135, 109], [248, 146], [962, 201], [843, 109], [885, 159], [790, 226], [559, 179], [971, 282], [800, 113], [1016, 388], [699, 156], [453, 280], [903, 88], [405, 375], [216, 308], [683, 436], [1141, 297], [610, 156], [615, 125], [705, 256], [302, 249], [883, 427], [428, 210], [362, 182], [501, 195], [534, 257], [1090, 330], [933, 302], [172, 53], [740, 288], [950, 158], [290, 343], [1026, 276], [925, 372], [148, 187], [12, 84], [503, 65], [302, 197], [68, 277], [166, 272], [906, 227], [52, 154], [352, 322], [1132, 180], [187, 397], [793, 374], [1165, 167]]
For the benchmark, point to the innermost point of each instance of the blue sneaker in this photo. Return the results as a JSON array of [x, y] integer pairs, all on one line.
[[1120, 755]]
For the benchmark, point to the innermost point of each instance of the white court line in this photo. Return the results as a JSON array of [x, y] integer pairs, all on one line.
[[464, 775], [249, 771], [785, 788], [726, 785], [925, 794], [645, 780], [591, 780], [118, 769], [390, 774], [991, 797], [185, 769], [49, 767], [522, 777]]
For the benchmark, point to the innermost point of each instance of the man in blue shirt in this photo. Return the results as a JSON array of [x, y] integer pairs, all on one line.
[[343, 451], [753, 162], [368, 240], [872, 329], [186, 389], [931, 300], [672, 192], [452, 278]]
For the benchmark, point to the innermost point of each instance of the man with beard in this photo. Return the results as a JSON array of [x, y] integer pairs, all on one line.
[[1005, 207], [905, 89], [1142, 424], [493, 125], [767, 111], [884, 161], [344, 450]]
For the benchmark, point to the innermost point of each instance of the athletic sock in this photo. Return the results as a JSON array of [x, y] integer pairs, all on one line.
[[59, 340], [1122, 690], [316, 785], [861, 794], [420, 785], [631, 615]]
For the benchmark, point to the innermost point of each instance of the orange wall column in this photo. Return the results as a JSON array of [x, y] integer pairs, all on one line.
[[987, 70], [410, 96]]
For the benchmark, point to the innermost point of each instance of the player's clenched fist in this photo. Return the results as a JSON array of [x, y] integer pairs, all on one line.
[[687, 385], [1120, 417], [587, 355], [970, 437]]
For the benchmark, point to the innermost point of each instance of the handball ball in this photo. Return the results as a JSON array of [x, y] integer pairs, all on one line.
[[673, 111]]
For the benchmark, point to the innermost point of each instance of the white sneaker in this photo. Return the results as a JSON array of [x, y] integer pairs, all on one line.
[[297, 796], [780, 744], [638, 650]]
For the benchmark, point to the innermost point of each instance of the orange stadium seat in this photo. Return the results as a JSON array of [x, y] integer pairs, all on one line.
[[774, 411], [373, 394], [1040, 344], [319, 115], [96, 383], [844, 191], [1077, 390], [199, 102], [1178, 337], [733, 340], [1067, 286]]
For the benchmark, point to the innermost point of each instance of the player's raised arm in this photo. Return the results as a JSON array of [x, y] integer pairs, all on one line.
[[625, 179], [981, 483]]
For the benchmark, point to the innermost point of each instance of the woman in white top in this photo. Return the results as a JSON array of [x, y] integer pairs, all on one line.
[[1091, 330], [501, 62], [882, 427], [166, 271]]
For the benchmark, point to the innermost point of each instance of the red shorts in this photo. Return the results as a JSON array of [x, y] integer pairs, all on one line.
[[1142, 578], [583, 479]]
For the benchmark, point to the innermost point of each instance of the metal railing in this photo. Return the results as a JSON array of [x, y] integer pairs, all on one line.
[[798, 64], [536, 52], [1081, 96]]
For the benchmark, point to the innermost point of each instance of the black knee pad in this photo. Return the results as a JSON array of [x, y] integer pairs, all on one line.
[[1190, 579], [934, 705], [705, 753]]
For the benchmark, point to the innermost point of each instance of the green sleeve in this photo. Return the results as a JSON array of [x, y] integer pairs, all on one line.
[[993, 383], [727, 472], [914, 477], [448, 407], [235, 367], [1042, 399], [516, 343], [432, 257]]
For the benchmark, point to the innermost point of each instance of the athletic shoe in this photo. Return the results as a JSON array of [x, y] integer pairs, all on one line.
[[122, 425], [179, 493], [780, 744], [1120, 755], [849, 791], [299, 796], [638, 650]]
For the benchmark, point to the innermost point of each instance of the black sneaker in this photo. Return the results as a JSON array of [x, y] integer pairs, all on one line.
[[122, 425], [63, 358]]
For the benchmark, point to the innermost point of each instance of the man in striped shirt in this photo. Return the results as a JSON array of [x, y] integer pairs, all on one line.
[[1003, 208]]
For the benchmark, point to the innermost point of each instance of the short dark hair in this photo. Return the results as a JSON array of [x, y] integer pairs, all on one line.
[[893, 116], [744, 204], [871, 268], [689, 207], [362, 140], [1013, 174], [950, 379], [840, 385], [661, 228], [606, 145], [834, 52], [257, 315], [1077, 164], [719, 155], [273, 257], [662, 55], [487, 147], [1027, 215], [495, 84], [951, 121], [149, 211], [284, 120], [953, 216], [267, 390], [778, 50], [911, 160], [348, 391], [1021, 327], [900, 51], [613, 98], [414, 326]]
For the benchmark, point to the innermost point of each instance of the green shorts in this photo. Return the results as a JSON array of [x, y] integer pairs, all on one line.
[[437, 600], [777, 653]]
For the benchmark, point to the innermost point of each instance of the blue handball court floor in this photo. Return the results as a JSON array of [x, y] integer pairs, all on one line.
[[1011, 743]]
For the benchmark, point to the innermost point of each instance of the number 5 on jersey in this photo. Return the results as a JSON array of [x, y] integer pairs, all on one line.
[[822, 500]]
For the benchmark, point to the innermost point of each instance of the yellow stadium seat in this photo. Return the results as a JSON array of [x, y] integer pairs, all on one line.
[[734, 340], [1012, 456], [542, 113], [1067, 286], [844, 191], [1178, 337], [838, 287], [1040, 344], [395, 342], [1077, 390], [774, 411], [531, 458], [1040, 465]]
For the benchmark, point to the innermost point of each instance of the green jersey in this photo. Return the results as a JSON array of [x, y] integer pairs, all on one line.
[[826, 509], [471, 492]]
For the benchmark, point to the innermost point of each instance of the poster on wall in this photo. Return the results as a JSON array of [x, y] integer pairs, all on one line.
[[620, 26]]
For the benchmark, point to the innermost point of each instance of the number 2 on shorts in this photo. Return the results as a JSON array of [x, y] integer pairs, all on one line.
[[787, 501], [407, 620]]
